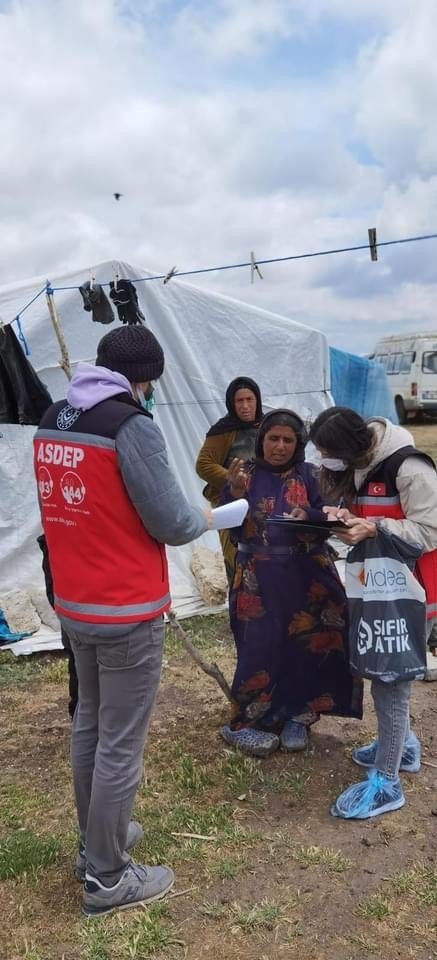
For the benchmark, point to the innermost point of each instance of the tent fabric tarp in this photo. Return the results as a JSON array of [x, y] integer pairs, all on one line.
[[361, 384], [207, 340]]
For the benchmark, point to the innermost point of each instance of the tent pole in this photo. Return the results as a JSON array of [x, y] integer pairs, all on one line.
[[64, 362]]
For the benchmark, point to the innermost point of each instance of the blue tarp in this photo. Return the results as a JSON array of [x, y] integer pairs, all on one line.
[[361, 384]]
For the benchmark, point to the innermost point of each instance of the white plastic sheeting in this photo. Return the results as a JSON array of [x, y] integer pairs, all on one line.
[[207, 340]]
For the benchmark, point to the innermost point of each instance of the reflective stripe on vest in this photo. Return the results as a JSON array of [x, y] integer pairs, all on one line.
[[134, 610]]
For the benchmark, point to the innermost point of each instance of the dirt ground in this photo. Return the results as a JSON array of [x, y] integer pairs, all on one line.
[[277, 877], [268, 873]]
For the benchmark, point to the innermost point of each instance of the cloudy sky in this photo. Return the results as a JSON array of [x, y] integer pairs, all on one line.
[[279, 126]]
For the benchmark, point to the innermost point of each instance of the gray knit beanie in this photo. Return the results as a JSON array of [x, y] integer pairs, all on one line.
[[133, 351]]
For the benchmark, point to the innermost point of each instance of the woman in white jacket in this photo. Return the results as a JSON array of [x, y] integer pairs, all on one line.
[[374, 471]]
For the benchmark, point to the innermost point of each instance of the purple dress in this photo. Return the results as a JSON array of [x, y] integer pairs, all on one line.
[[288, 610]]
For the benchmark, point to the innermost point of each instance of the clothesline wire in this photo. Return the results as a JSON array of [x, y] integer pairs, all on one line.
[[236, 266], [249, 263]]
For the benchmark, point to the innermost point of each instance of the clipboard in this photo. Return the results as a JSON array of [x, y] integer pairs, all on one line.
[[310, 526]]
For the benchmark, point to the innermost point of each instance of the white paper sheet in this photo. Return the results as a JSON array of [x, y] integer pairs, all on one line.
[[230, 515]]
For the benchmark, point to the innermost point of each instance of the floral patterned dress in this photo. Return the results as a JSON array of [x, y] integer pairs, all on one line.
[[288, 610]]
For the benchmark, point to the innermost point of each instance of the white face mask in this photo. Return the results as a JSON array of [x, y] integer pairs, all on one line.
[[336, 466]]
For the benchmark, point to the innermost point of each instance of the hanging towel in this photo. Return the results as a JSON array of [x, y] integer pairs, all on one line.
[[125, 298], [96, 301]]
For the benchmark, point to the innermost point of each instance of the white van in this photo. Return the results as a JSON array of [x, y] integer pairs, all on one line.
[[410, 361]]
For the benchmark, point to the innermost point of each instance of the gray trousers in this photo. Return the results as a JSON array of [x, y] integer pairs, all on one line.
[[392, 708], [118, 682]]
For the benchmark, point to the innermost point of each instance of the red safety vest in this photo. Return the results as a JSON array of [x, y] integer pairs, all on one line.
[[379, 497], [106, 568]]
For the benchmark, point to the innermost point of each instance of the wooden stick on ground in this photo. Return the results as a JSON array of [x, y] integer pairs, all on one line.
[[210, 668]]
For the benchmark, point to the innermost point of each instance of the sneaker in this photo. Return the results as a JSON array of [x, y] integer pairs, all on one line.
[[410, 762], [135, 834], [138, 884], [377, 794], [257, 743], [294, 736]]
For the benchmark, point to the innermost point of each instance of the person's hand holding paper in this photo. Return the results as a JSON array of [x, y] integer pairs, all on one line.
[[230, 515]]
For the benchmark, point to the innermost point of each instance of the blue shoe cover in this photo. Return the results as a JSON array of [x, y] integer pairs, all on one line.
[[257, 743], [410, 762], [371, 797], [294, 736]]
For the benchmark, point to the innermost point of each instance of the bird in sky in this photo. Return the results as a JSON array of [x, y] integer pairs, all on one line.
[[117, 195]]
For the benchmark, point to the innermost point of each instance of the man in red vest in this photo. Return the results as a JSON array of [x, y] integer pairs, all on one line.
[[109, 504]]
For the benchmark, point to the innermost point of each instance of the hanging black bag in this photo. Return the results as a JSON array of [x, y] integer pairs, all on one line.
[[386, 609]]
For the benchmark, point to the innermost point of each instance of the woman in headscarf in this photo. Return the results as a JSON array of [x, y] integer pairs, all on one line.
[[233, 436], [287, 605]]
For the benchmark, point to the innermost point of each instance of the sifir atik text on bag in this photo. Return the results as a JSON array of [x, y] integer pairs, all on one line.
[[386, 609]]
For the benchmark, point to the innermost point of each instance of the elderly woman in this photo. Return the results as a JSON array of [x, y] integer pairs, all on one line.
[[287, 604], [233, 436]]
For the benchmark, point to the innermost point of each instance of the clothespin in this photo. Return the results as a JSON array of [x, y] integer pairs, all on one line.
[[171, 273], [254, 266], [373, 243]]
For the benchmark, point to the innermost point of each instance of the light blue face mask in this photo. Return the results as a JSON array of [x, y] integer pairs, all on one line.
[[147, 401]]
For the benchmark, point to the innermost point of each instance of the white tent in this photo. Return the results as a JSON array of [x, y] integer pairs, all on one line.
[[207, 340]]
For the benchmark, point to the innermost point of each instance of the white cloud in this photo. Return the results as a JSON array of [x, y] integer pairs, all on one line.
[[179, 107]]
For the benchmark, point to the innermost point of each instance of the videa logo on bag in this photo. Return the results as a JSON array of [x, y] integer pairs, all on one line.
[[379, 577], [383, 636]]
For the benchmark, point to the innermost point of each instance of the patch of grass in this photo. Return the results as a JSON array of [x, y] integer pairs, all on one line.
[[25, 852], [18, 802], [56, 671], [323, 856], [213, 909], [241, 773], [213, 820], [94, 941], [18, 669], [207, 633], [189, 776], [248, 919], [29, 951], [226, 868], [421, 881], [288, 781], [375, 907], [149, 934]]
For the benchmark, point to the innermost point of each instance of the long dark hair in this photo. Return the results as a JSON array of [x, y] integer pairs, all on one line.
[[342, 433]]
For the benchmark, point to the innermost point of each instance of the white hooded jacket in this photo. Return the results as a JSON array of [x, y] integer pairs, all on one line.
[[416, 483]]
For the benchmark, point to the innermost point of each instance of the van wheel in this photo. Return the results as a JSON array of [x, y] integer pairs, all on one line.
[[400, 410]]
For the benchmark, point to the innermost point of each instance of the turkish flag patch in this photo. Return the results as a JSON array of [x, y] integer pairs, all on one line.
[[377, 490]]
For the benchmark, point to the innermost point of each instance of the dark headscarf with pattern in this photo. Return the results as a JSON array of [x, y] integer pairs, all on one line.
[[281, 418]]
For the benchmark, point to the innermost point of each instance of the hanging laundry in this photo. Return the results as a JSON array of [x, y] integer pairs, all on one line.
[[124, 296], [96, 301], [23, 397]]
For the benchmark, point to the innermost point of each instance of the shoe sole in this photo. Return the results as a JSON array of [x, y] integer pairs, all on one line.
[[296, 749], [103, 911], [402, 769], [387, 808], [251, 751]]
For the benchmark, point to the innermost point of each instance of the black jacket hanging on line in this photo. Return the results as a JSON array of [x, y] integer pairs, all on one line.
[[23, 397]]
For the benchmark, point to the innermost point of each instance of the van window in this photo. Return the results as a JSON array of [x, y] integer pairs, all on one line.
[[394, 363], [429, 361], [406, 360]]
